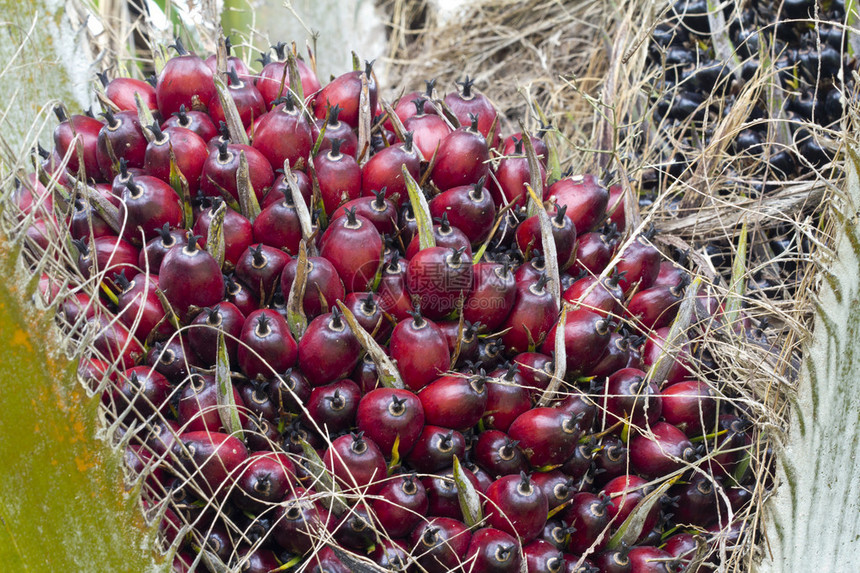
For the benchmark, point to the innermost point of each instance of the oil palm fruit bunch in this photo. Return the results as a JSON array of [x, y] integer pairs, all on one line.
[[333, 329], [783, 73]]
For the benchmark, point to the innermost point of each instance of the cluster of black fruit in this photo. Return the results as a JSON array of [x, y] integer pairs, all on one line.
[[303, 365], [798, 51]]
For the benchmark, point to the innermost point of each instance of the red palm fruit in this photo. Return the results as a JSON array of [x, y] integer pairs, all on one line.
[[442, 492], [628, 397], [691, 406], [613, 561], [121, 92], [419, 368], [385, 414], [189, 276], [328, 350], [139, 308], [671, 274], [77, 306], [260, 267], [681, 546], [219, 171], [366, 374], [405, 106], [434, 448], [369, 315], [437, 277], [428, 130], [512, 143], [586, 337], [384, 170], [345, 91], [147, 205], [185, 79], [698, 502], [198, 408], [593, 252], [612, 458], [378, 210], [160, 436], [143, 390], [640, 263], [108, 254], [87, 129], [173, 358], [556, 486], [512, 175], [31, 195], [617, 356], [237, 229], [497, 453], [543, 557], [284, 135], [494, 551], [625, 492], [681, 367], [276, 73], [356, 531], [468, 341], [249, 102], [197, 121], [646, 559], [323, 283], [335, 129], [446, 236], [256, 560], [203, 336], [507, 398], [531, 270], [85, 222], [581, 405], [563, 233], [281, 187], [531, 316], [353, 245], [120, 138], [462, 159], [266, 345], [615, 207], [493, 295], [588, 516], [547, 436], [240, 295], [408, 226], [657, 306], [726, 449], [468, 102], [482, 478], [255, 395], [603, 297], [454, 401], [278, 225], [211, 459], [585, 197], [339, 177], [189, 151], [440, 544], [152, 254], [535, 370], [516, 506], [400, 505], [289, 391], [299, 521], [333, 407], [392, 294], [356, 462], [469, 208], [391, 554]]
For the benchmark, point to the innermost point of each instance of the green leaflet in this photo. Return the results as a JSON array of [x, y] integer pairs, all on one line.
[[389, 376], [629, 531], [227, 409], [470, 501], [324, 482], [421, 209]]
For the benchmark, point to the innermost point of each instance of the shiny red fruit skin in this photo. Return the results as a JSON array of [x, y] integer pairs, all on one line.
[[438, 277], [605, 298], [543, 557], [594, 251], [498, 454], [507, 398], [151, 255], [356, 462], [589, 516], [260, 267], [419, 368], [586, 337], [547, 436], [140, 310], [556, 486], [690, 405], [641, 264], [615, 207], [249, 102], [219, 172], [335, 129], [446, 236], [121, 92], [644, 559], [328, 350], [531, 318], [333, 407], [616, 357], [400, 505], [628, 397], [442, 492], [468, 102], [652, 457], [322, 282], [268, 81], [698, 501], [203, 335], [198, 408], [345, 91], [354, 247], [655, 307], [147, 205], [284, 134], [470, 208], [585, 197], [184, 80], [440, 544], [265, 333], [369, 314], [123, 134], [190, 276], [384, 170], [454, 402], [211, 458], [189, 152], [87, 129], [493, 295], [434, 448], [386, 413], [299, 521], [428, 131], [517, 507], [528, 236], [494, 551], [173, 358], [197, 121], [509, 146], [680, 368], [143, 390], [462, 159], [237, 229], [625, 492], [392, 294], [109, 254], [535, 370]]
